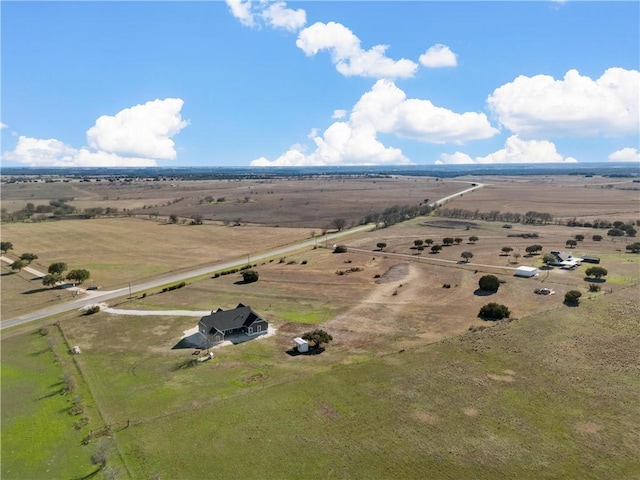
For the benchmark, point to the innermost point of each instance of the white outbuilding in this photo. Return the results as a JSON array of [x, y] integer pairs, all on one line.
[[526, 272], [301, 344]]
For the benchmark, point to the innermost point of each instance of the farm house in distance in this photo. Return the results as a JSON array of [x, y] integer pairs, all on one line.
[[236, 325]]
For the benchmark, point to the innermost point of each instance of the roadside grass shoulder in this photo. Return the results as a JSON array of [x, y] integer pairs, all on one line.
[[38, 435]]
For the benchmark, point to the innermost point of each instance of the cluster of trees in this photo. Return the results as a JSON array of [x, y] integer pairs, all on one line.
[[604, 224], [633, 247], [529, 218], [55, 208], [396, 214], [55, 274]]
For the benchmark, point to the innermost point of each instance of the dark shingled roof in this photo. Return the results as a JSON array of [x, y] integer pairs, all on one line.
[[224, 320]]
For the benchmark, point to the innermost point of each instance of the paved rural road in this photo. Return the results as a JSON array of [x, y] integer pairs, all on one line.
[[100, 297]]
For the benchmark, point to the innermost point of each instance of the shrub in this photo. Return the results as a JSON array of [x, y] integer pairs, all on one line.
[[572, 297], [593, 288], [250, 276], [494, 311], [597, 238], [489, 283], [340, 249], [634, 247], [93, 309]]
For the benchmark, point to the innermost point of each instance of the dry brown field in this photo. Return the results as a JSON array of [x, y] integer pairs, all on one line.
[[291, 202], [564, 197]]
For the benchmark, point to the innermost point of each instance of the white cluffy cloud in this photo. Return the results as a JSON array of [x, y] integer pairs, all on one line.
[[348, 56], [279, 16], [438, 56], [339, 113], [625, 155], [384, 109], [515, 150], [574, 106], [390, 111], [275, 15], [134, 137], [143, 130], [3, 125]]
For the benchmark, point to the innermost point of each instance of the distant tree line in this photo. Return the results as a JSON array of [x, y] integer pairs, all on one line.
[[529, 218], [392, 215]]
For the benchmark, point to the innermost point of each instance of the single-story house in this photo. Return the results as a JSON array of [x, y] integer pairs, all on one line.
[[238, 321]]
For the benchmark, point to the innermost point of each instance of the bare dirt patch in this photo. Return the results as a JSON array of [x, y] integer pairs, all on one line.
[[470, 412], [501, 378], [394, 274], [588, 427], [426, 417]]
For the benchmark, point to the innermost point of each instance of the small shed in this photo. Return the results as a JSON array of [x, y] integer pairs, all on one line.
[[301, 344], [526, 272]]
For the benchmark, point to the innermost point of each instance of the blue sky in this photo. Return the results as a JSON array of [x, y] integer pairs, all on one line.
[[318, 83]]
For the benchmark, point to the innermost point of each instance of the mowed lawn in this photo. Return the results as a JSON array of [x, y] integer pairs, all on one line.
[[548, 396]]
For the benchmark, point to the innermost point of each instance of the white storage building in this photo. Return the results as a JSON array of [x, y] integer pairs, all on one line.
[[526, 272], [301, 344]]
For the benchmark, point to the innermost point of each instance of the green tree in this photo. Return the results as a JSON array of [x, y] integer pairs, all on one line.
[[467, 256], [18, 265], [615, 232], [597, 238], [579, 237], [28, 257], [473, 239], [340, 249], [548, 258], [631, 232], [250, 276], [633, 247], [318, 337], [57, 268], [436, 248], [571, 243], [78, 276], [51, 279], [572, 297], [428, 241], [381, 245], [6, 246], [173, 218], [507, 250], [447, 241], [418, 243], [458, 240], [597, 272], [489, 283], [533, 249], [494, 311]]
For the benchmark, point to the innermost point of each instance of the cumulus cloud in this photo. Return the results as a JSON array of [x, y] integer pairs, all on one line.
[[438, 56], [341, 144], [278, 15], [515, 150], [339, 113], [384, 109], [242, 11], [143, 130], [3, 125], [390, 111], [134, 137], [574, 106], [348, 56], [625, 155], [37, 152]]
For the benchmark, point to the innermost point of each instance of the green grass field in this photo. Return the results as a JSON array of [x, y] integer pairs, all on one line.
[[547, 397]]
